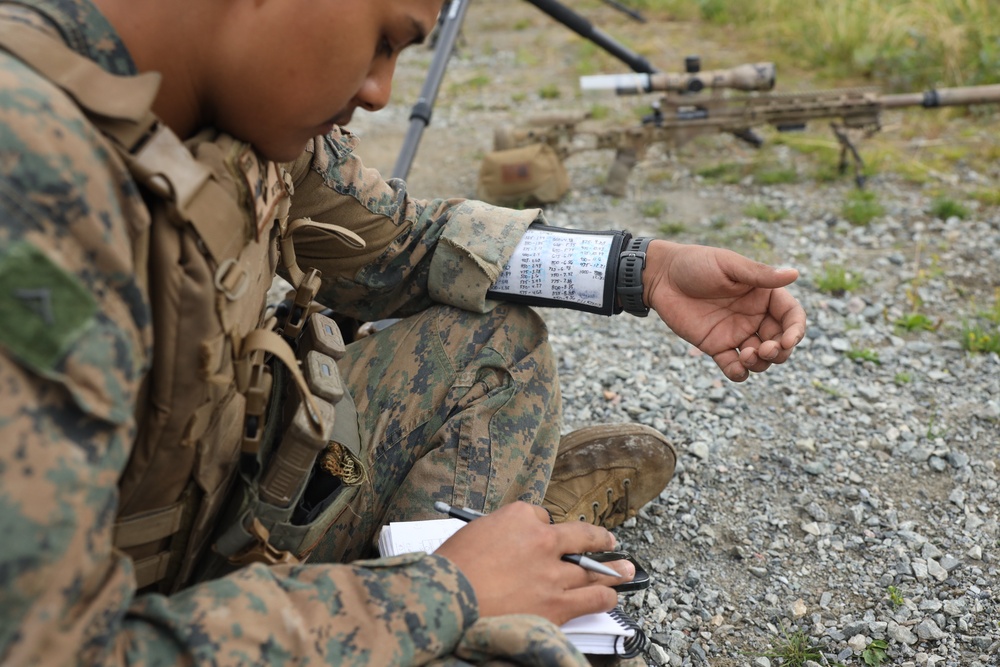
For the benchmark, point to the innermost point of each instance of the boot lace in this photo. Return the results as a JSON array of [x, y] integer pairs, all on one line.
[[613, 506]]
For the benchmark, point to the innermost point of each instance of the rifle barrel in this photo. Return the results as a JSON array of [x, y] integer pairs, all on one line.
[[943, 97]]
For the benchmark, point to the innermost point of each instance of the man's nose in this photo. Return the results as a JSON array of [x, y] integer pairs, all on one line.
[[377, 88]]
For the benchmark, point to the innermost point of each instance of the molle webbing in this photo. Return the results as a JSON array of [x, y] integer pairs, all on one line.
[[219, 220], [196, 261]]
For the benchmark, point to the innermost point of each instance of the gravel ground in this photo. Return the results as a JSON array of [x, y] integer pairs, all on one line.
[[847, 497]]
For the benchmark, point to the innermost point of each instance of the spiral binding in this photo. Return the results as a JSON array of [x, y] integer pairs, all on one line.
[[628, 647]]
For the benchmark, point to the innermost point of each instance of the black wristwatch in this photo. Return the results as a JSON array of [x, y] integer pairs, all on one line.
[[629, 285]]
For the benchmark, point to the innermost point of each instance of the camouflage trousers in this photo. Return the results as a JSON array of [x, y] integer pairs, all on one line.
[[454, 406], [464, 408]]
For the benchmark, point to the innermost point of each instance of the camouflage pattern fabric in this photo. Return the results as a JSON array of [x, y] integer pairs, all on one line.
[[75, 343], [466, 410], [518, 639]]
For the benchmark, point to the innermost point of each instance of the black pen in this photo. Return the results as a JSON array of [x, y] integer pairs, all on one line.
[[467, 515]]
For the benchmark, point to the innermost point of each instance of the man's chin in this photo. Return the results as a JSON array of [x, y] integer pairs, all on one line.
[[287, 151]]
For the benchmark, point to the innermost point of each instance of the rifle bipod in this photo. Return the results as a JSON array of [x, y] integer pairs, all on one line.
[[847, 146]]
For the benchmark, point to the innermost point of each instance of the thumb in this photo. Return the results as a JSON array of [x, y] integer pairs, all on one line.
[[758, 274]]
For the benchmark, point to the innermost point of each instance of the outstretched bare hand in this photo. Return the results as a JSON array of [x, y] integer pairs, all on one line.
[[730, 307]]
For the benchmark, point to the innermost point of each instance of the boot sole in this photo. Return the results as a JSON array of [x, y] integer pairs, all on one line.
[[571, 441]]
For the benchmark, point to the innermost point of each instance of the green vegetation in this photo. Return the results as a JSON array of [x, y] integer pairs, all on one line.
[[764, 212], [944, 208], [549, 91], [672, 228], [915, 322], [876, 653], [827, 389], [983, 333], [861, 207], [904, 44], [653, 208], [987, 196], [598, 112], [976, 338], [793, 650], [727, 172], [864, 355], [837, 280], [895, 597], [902, 378], [765, 174]]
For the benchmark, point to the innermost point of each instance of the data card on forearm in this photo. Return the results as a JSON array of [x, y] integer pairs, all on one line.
[[566, 268]]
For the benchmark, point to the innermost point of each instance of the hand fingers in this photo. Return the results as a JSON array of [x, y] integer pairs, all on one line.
[[587, 600], [732, 367], [758, 274], [576, 537], [542, 513]]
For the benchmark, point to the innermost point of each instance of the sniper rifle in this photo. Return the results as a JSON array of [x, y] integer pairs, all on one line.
[[687, 111]]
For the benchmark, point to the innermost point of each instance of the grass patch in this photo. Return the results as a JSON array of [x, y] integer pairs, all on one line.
[[983, 333], [727, 172], [764, 213], [672, 228], [793, 650], [653, 208], [906, 44], [861, 207], [875, 653], [977, 338], [774, 175], [944, 208], [864, 355], [987, 196], [598, 112], [916, 322], [549, 91], [837, 280]]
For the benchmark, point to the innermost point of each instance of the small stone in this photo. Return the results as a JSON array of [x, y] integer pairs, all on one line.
[[798, 608], [927, 629], [901, 634], [858, 643]]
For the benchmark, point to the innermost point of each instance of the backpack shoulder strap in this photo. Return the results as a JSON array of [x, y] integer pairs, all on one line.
[[119, 105]]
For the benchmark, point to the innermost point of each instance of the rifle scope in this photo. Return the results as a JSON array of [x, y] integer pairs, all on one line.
[[756, 76]]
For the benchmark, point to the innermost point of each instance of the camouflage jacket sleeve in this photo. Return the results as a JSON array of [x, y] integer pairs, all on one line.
[[416, 253], [75, 342]]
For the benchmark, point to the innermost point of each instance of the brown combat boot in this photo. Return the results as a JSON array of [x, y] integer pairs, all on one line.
[[604, 474]]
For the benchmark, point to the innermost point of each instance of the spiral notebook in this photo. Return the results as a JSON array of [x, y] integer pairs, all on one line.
[[613, 632]]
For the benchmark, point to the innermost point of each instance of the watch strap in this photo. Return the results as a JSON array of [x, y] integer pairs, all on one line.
[[629, 284]]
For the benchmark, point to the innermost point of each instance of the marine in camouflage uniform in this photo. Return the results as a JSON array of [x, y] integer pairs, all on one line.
[[133, 273], [73, 355]]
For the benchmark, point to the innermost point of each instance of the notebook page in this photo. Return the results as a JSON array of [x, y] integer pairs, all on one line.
[[596, 624], [402, 537]]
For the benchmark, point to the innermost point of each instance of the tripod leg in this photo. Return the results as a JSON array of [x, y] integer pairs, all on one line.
[[448, 28], [585, 28]]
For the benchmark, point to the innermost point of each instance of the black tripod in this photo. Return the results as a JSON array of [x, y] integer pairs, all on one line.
[[449, 24]]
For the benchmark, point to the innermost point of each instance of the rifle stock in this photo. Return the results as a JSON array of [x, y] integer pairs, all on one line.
[[678, 119]]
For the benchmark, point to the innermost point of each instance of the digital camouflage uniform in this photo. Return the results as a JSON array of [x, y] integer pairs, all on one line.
[[458, 402]]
